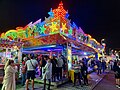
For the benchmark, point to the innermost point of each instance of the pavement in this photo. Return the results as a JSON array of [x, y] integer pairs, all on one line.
[[94, 79], [108, 83]]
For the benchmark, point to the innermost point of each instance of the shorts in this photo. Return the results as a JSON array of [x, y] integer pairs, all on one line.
[[31, 74], [117, 76]]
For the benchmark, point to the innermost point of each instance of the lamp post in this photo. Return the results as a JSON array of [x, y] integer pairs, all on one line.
[[104, 45]]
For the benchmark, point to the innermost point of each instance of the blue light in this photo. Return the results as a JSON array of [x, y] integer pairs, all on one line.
[[85, 53], [74, 25], [67, 15], [51, 13], [42, 23]]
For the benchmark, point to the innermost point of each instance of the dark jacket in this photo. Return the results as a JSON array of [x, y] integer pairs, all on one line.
[[117, 69], [84, 71], [43, 63]]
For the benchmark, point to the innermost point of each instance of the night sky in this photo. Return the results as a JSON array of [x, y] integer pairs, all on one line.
[[99, 18]]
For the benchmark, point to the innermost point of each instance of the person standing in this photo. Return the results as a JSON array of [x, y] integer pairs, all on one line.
[[47, 74], [31, 65], [84, 73], [42, 64], [60, 66], [103, 65], [115, 64], [99, 66], [92, 63], [54, 68], [9, 82], [76, 68], [23, 71], [117, 74], [112, 64]]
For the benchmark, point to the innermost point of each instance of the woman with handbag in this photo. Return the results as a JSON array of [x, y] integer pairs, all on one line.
[[47, 74]]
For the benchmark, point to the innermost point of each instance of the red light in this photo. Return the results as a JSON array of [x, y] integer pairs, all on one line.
[[59, 12]]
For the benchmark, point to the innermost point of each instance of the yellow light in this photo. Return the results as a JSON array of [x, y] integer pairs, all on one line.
[[10, 31], [53, 27], [64, 27], [3, 35]]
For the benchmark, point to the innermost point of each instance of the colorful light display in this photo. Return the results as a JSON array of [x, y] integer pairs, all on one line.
[[63, 27], [53, 27], [70, 31], [59, 12], [57, 22], [42, 30]]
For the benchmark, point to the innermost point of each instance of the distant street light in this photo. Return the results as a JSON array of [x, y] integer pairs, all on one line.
[[103, 42], [104, 45]]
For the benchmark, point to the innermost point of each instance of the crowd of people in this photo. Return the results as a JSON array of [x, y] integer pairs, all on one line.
[[51, 69], [112, 65], [81, 69], [54, 69]]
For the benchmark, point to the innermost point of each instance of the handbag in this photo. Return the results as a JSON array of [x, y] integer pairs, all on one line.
[[24, 69]]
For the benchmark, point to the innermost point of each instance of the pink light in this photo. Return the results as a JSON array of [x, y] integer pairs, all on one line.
[[38, 21]]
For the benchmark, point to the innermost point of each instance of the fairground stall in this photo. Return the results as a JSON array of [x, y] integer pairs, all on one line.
[[57, 34], [9, 49]]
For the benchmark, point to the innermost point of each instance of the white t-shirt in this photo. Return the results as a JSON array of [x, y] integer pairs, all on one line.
[[29, 65]]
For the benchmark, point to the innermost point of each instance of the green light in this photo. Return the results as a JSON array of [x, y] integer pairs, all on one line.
[[12, 34], [70, 31], [42, 30]]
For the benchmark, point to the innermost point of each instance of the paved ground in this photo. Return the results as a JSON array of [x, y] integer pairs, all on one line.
[[93, 79], [108, 83], [95, 83]]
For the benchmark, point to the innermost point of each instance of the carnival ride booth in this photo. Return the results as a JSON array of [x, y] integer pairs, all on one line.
[[59, 43], [8, 50], [56, 34]]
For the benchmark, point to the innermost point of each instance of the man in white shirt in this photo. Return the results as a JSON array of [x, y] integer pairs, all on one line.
[[31, 67]]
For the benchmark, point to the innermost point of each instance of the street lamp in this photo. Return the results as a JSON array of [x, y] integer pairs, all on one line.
[[103, 44]]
